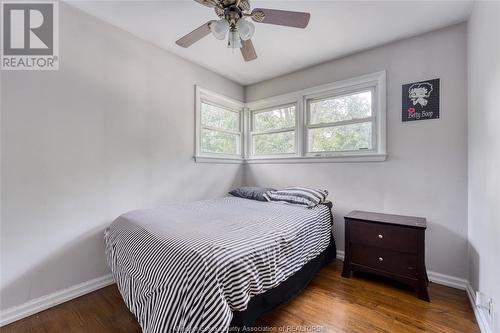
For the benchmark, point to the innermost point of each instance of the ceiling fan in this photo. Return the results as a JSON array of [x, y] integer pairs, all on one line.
[[232, 19]]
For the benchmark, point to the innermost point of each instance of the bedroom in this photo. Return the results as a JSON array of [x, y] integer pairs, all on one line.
[[122, 123]]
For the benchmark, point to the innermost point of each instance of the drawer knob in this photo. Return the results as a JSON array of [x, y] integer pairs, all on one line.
[[380, 236], [380, 259]]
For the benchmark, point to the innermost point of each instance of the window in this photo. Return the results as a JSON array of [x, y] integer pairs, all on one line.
[[340, 123], [220, 130], [273, 131], [344, 121], [219, 126]]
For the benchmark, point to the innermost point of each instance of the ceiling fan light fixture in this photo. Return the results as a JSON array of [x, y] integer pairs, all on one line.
[[232, 16], [246, 29], [234, 41], [219, 28]]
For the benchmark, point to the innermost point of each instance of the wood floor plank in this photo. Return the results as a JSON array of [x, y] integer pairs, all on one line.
[[330, 303]]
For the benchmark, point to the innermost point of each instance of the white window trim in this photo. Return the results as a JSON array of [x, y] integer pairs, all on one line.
[[210, 97], [251, 133], [336, 94], [378, 153]]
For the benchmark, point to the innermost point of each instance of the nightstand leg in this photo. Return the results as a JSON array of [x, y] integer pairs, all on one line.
[[346, 271], [423, 294]]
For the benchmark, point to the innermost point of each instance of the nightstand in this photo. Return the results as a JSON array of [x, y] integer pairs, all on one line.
[[389, 245]]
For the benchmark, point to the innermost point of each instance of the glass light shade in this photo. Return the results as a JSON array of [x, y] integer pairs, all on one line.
[[246, 29], [219, 28], [234, 41]]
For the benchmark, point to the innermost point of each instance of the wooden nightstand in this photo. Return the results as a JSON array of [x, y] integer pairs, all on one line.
[[388, 245]]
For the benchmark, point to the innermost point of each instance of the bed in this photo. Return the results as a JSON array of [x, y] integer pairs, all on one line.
[[215, 264]]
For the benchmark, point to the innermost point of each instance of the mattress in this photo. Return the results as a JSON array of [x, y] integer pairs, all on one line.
[[187, 267]]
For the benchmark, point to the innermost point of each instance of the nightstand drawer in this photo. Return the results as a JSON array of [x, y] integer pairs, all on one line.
[[385, 260], [383, 236]]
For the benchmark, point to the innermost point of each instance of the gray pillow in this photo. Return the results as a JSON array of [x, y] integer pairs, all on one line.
[[251, 192]]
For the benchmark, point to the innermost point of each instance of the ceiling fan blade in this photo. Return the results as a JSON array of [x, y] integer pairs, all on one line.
[[281, 17], [247, 50], [194, 35], [208, 3]]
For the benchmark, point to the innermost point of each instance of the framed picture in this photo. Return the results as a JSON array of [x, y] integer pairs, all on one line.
[[420, 100]]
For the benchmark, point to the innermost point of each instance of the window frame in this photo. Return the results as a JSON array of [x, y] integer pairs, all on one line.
[[211, 98], [332, 95], [376, 82], [252, 133]]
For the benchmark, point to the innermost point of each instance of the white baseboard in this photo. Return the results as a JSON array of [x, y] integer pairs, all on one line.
[[481, 318], [340, 255], [446, 280], [39, 304]]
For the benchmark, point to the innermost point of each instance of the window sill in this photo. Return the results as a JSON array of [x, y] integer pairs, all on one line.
[[295, 160], [218, 160], [319, 159]]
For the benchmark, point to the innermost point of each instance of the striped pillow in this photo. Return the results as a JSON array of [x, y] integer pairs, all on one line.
[[298, 196]]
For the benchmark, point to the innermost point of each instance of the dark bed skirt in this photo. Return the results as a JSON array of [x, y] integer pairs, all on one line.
[[271, 299]]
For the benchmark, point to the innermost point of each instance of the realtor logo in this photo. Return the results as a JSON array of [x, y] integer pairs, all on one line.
[[30, 35]]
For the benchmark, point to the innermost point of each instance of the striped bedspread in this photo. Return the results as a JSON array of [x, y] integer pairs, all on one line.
[[186, 267]]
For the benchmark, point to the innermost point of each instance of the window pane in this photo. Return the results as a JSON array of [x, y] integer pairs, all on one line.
[[279, 118], [218, 117], [219, 142], [334, 109], [276, 143], [341, 138]]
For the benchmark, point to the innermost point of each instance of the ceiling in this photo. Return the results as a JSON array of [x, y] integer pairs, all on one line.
[[336, 29]]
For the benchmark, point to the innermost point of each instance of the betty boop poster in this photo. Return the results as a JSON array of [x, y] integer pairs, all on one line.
[[421, 100]]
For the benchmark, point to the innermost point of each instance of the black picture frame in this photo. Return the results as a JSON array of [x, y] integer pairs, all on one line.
[[420, 100]]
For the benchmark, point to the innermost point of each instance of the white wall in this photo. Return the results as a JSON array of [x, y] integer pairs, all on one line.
[[426, 172], [484, 152], [111, 131]]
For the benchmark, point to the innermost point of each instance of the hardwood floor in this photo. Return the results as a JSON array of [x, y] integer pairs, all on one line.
[[330, 304]]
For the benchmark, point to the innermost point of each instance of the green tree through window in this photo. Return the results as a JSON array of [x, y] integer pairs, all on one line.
[[274, 131], [220, 130], [340, 123]]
